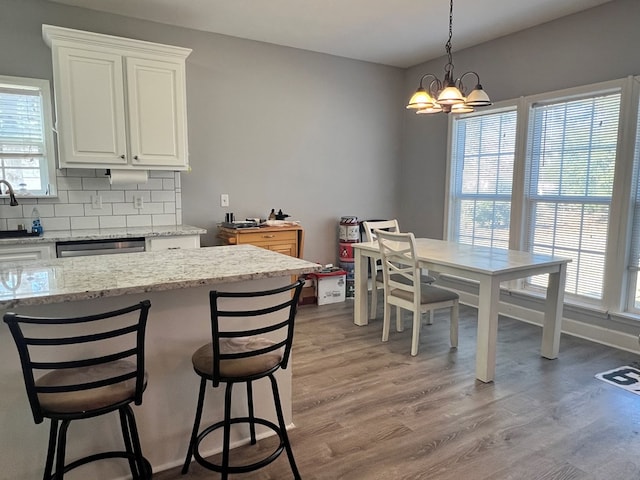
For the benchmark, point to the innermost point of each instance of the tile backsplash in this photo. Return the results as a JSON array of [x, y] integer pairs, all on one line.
[[87, 200]]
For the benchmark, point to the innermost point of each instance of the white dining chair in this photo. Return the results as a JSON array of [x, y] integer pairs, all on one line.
[[377, 282], [404, 290]]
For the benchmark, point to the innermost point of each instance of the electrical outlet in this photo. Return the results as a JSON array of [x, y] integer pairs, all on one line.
[[138, 202], [96, 201], [224, 200]]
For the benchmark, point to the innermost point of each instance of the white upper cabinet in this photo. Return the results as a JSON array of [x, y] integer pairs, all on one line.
[[119, 102]]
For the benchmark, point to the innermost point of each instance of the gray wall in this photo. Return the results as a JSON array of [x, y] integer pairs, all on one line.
[[274, 127], [322, 136], [592, 46]]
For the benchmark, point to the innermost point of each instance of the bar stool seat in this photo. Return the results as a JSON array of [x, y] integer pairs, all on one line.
[[244, 356], [90, 384]]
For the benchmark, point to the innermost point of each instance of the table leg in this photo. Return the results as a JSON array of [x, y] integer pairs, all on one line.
[[552, 325], [361, 307], [489, 296]]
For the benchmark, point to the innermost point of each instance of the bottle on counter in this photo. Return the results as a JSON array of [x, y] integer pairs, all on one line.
[[36, 224], [272, 215]]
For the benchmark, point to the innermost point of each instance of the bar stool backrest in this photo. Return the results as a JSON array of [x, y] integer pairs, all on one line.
[[50, 344], [271, 319]]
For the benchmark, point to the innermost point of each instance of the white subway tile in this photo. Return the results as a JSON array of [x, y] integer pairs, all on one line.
[[164, 220], [163, 196], [111, 196], [69, 183], [124, 209], [169, 184], [152, 184], [151, 208], [81, 196], [69, 210], [115, 221], [139, 221], [81, 223], [95, 183], [57, 223]]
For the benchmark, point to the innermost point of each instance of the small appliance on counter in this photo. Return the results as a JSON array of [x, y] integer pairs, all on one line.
[[277, 216]]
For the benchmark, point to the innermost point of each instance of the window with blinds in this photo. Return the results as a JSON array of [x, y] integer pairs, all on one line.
[[25, 144], [634, 257], [572, 148], [483, 153]]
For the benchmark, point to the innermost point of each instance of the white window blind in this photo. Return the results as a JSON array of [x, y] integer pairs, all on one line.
[[634, 257], [23, 143], [571, 149], [483, 154]]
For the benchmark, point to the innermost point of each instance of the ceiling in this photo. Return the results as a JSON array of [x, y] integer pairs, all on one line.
[[400, 33]]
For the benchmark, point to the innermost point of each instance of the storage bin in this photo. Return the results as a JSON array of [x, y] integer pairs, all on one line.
[[330, 286]]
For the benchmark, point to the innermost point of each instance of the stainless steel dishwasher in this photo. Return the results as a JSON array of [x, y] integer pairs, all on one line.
[[79, 248]]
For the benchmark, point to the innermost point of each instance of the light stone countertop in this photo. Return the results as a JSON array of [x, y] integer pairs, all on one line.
[[105, 234], [40, 282]]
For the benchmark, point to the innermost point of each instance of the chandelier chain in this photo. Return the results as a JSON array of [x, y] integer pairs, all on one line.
[[448, 44]]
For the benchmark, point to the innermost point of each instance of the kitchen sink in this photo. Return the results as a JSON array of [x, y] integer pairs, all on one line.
[[16, 233]]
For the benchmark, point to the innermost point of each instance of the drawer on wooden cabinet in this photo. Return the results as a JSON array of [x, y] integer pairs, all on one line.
[[268, 237]]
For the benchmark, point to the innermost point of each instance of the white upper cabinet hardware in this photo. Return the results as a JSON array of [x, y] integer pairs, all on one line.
[[119, 102]]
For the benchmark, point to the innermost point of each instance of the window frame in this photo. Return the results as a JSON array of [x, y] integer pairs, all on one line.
[[450, 227], [47, 171], [616, 291]]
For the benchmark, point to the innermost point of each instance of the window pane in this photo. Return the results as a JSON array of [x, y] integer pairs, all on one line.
[[572, 152], [23, 151], [634, 258], [482, 162]]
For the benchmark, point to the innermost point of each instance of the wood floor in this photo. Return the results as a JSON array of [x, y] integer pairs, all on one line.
[[366, 410]]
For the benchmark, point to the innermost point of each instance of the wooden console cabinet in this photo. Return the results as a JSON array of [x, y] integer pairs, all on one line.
[[288, 240]]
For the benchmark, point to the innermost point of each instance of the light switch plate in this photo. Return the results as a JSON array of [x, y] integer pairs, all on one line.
[[224, 200]]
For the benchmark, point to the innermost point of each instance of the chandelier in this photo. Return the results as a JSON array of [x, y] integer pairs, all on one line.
[[448, 95]]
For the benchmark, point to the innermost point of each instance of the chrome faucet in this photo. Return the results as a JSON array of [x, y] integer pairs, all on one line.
[[12, 197]]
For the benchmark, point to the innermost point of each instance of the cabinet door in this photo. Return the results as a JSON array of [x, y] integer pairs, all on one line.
[[157, 112], [285, 249], [89, 93], [29, 252]]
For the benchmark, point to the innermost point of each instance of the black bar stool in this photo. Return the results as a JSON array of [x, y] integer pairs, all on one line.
[[243, 356], [106, 374]]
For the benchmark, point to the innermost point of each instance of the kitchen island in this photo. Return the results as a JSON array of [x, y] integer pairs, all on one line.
[[177, 282]]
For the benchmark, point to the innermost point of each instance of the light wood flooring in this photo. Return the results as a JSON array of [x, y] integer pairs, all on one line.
[[367, 410]]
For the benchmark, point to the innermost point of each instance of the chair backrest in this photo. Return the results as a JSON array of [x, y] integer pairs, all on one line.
[[370, 227], [271, 316], [400, 267], [50, 344]]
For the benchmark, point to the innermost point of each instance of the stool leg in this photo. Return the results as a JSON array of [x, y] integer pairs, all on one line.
[[144, 472], [62, 443], [252, 425], [126, 436], [283, 427], [196, 425], [53, 434], [226, 444]]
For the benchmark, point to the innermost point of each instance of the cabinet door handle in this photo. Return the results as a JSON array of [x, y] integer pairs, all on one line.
[[135, 157], [122, 157], [268, 236]]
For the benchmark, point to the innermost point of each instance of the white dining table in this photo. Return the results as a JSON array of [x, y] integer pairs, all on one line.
[[489, 267]]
